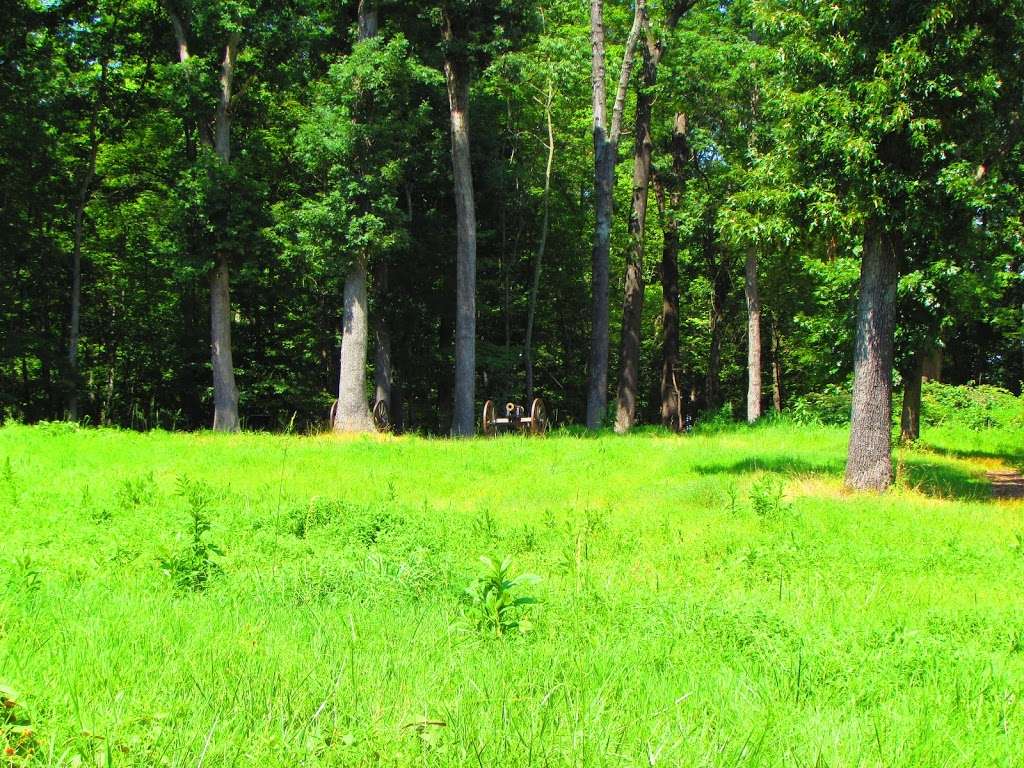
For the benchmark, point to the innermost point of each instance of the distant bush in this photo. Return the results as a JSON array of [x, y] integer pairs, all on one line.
[[831, 406], [973, 407]]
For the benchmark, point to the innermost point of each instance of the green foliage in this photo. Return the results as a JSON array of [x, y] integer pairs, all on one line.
[[192, 567], [831, 406], [496, 605], [973, 407], [766, 498]]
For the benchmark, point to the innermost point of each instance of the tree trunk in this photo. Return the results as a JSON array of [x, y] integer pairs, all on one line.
[[538, 263], [719, 290], [869, 458], [776, 368], [753, 338], [633, 300], [75, 320], [225, 393], [910, 420], [463, 418], [353, 415], [605, 156], [932, 364], [672, 405]]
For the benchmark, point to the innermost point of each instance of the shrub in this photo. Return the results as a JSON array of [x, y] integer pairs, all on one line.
[[494, 605], [974, 407], [831, 406]]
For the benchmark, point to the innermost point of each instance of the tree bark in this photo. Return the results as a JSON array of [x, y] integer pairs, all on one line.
[[633, 299], [352, 413], [225, 391], [869, 458], [910, 419], [606, 140], [538, 262], [753, 338], [672, 405], [457, 79]]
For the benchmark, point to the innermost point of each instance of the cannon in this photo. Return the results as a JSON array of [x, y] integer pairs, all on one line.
[[515, 419]]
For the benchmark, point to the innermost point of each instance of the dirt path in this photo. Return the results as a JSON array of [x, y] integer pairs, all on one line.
[[1006, 484]]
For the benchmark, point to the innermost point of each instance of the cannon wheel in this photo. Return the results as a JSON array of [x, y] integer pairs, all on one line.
[[487, 425], [538, 417], [381, 416], [334, 415]]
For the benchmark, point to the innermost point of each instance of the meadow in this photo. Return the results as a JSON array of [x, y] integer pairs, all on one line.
[[713, 599]]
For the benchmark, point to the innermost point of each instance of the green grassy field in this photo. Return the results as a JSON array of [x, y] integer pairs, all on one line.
[[686, 615]]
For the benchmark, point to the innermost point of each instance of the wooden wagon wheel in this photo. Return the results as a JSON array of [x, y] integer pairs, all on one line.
[[487, 424], [382, 416], [334, 414], [539, 422]]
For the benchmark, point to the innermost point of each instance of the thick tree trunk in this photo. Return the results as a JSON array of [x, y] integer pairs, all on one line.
[[932, 364], [910, 420], [605, 156], [463, 418], [776, 368], [353, 415], [753, 338], [633, 300], [672, 405], [538, 262], [869, 458], [225, 393]]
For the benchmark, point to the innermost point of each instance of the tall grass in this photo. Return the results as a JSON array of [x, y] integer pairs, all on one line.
[[708, 600]]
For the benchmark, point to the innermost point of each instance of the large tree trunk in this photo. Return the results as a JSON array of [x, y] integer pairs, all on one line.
[[353, 415], [225, 391], [672, 405], [869, 458], [463, 418], [753, 338], [633, 299], [910, 420], [605, 156], [538, 263]]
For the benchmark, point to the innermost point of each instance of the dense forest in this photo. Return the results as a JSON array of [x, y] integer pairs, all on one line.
[[234, 213]]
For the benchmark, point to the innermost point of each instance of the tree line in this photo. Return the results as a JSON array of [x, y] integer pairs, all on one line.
[[251, 208]]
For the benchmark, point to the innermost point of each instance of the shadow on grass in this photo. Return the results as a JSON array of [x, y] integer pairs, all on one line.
[[933, 479], [943, 481], [782, 465], [1013, 458]]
